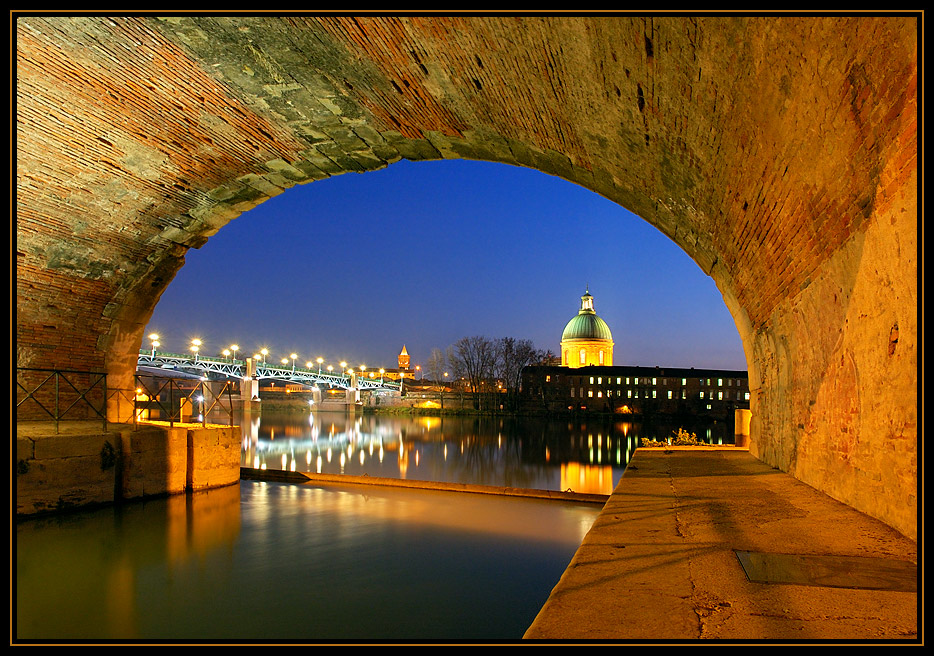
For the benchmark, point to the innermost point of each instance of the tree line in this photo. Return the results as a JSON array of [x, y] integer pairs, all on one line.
[[487, 366]]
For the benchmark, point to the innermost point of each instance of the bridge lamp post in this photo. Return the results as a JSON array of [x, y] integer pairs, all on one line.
[[154, 338], [320, 360], [265, 352], [330, 368], [226, 353], [293, 356], [195, 347], [381, 372], [234, 348]]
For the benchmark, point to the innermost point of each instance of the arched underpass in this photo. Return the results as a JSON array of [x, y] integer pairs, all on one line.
[[780, 153]]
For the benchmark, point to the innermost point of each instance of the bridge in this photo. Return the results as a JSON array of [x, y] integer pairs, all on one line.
[[255, 370]]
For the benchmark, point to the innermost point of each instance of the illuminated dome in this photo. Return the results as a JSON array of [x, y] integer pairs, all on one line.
[[586, 339]]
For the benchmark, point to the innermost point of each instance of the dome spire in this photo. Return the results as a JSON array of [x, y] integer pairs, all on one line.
[[587, 303]]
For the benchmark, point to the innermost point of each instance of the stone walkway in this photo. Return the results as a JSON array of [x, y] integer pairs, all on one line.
[[662, 561]]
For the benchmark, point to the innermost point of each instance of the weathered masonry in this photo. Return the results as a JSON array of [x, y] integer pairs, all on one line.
[[779, 152]]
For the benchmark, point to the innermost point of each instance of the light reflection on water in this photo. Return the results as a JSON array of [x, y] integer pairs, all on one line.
[[275, 561], [582, 455], [264, 560]]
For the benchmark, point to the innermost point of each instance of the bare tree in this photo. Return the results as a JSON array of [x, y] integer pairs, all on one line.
[[437, 365], [474, 358], [513, 355]]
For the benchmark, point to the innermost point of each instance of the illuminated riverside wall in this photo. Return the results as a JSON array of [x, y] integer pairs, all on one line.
[[779, 152], [59, 472]]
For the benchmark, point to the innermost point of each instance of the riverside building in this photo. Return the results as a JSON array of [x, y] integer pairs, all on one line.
[[587, 379]]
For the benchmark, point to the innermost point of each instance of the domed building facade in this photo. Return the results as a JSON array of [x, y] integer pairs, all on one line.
[[586, 340]]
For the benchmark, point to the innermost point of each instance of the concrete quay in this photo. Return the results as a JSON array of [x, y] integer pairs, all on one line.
[[667, 559]]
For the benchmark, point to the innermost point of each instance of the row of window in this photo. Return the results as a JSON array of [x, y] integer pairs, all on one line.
[[730, 382], [630, 394]]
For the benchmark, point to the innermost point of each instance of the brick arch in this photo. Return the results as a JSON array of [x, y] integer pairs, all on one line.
[[780, 153]]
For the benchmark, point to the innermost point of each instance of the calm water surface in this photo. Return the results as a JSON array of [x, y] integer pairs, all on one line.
[[272, 561]]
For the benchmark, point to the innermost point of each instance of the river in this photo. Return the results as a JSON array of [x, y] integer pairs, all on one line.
[[309, 563]]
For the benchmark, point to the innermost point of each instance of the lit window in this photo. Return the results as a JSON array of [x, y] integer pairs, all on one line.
[[547, 379], [629, 394], [708, 406], [747, 396], [572, 392], [617, 380], [599, 380], [601, 357], [599, 395], [583, 356], [683, 394], [609, 393], [684, 381], [669, 394], [590, 394], [702, 395], [627, 380], [654, 380], [591, 380], [653, 394], [720, 396]]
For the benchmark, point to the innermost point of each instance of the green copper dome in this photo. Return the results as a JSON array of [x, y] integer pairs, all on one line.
[[586, 325]]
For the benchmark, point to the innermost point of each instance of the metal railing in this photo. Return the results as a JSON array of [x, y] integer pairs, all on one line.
[[77, 391], [60, 394], [170, 395]]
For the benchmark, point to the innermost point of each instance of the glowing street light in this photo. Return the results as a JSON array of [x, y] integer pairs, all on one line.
[[154, 338], [320, 360], [381, 372], [234, 348], [265, 352], [293, 356], [330, 368], [195, 347], [226, 353]]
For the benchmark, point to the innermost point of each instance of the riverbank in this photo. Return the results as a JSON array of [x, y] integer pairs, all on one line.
[[704, 544]]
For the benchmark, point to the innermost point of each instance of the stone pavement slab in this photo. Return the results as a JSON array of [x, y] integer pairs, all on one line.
[[660, 563]]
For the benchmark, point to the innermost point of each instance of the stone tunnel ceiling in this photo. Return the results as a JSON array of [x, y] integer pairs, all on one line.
[[774, 150]]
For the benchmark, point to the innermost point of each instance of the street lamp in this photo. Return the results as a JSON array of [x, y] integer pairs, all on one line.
[[154, 338], [330, 368], [381, 372], [293, 356], [234, 348], [195, 347], [265, 352], [226, 353], [320, 360]]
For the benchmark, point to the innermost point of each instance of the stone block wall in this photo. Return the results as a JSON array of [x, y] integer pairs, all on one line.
[[213, 457], [60, 472], [154, 461]]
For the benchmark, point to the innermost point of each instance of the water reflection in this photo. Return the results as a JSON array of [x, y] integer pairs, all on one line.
[[263, 560], [586, 455]]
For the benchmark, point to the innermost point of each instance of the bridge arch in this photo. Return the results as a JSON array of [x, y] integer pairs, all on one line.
[[780, 153]]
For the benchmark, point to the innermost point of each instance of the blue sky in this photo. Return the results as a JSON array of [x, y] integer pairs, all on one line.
[[424, 253]]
